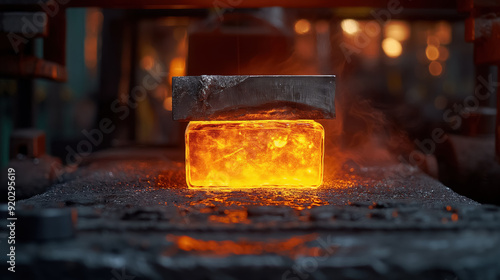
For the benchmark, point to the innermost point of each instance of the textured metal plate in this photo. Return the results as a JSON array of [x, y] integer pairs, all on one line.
[[253, 97]]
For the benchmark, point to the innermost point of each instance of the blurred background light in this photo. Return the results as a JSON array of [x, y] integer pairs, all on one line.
[[398, 30], [432, 52], [392, 47], [435, 68], [350, 26], [302, 26]]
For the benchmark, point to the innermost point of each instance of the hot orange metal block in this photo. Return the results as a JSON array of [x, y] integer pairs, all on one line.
[[261, 153]]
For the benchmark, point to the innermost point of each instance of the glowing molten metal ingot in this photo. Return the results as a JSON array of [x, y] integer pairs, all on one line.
[[266, 153]]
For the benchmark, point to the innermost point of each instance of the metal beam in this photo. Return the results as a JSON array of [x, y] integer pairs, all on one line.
[[253, 97], [33, 24], [31, 67], [231, 4]]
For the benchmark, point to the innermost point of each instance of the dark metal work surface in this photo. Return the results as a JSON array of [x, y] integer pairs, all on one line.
[[253, 97], [137, 219]]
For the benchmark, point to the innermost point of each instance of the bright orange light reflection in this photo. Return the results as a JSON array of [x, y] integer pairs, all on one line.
[[302, 26], [350, 26], [177, 67], [431, 52], [293, 246], [392, 47], [240, 154]]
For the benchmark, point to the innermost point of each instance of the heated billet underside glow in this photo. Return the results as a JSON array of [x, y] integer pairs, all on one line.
[[263, 153]]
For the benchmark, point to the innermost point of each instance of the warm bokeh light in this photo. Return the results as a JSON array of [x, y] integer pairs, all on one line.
[[398, 30], [444, 54], [435, 68], [431, 52], [147, 62], [302, 26], [322, 26], [91, 46], [93, 24], [293, 247], [167, 104], [443, 32], [433, 41], [267, 153], [304, 48], [392, 47], [350, 26], [440, 102], [177, 68]]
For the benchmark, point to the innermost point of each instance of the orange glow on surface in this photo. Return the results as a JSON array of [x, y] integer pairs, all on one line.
[[294, 246], [435, 68], [350, 26], [392, 47], [147, 62], [302, 26], [242, 154], [231, 217], [431, 52], [298, 199]]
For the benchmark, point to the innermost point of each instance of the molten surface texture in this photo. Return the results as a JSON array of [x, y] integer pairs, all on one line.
[[239, 154]]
